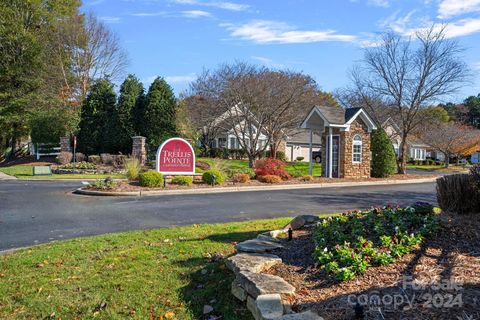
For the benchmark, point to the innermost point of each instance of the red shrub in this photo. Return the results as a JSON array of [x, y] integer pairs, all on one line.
[[269, 166]]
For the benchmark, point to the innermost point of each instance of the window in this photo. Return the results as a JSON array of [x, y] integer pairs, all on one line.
[[233, 143], [222, 142], [357, 149]]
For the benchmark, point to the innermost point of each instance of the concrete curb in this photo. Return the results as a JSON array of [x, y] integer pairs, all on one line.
[[83, 191]]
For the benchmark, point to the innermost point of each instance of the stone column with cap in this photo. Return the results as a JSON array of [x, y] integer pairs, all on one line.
[[138, 149], [65, 144]]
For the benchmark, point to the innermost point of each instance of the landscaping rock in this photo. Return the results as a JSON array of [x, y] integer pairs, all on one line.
[[296, 223], [238, 292], [266, 307], [207, 309], [252, 262], [257, 284], [276, 233], [310, 218], [264, 237], [307, 315], [257, 246]]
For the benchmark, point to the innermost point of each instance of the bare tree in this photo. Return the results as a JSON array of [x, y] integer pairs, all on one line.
[[87, 50], [450, 138], [253, 101], [408, 75]]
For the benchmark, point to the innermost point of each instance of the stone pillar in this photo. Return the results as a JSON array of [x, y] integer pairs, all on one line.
[[138, 149], [65, 144]]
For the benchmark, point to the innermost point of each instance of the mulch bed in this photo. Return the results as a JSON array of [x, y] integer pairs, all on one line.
[[134, 186], [454, 254]]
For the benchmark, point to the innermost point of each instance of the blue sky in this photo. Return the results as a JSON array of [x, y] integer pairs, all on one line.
[[177, 39]]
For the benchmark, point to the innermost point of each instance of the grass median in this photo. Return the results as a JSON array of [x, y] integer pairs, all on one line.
[[26, 172], [170, 273]]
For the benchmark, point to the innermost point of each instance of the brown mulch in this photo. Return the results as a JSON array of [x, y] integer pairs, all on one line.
[[28, 161], [453, 254], [134, 186]]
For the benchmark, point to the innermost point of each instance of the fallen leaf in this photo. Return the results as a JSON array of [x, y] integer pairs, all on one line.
[[169, 315]]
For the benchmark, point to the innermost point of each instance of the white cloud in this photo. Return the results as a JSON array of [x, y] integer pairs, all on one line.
[[181, 79], [216, 4], [476, 65], [150, 14], [196, 14], [451, 8], [265, 31], [379, 3], [108, 19]]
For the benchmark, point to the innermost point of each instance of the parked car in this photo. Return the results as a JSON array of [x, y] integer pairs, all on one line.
[[317, 156]]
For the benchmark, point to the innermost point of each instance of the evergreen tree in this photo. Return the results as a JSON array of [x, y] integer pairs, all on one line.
[[131, 91], [97, 119], [159, 114], [384, 159]]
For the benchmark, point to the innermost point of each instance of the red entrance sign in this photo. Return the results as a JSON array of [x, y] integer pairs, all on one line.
[[176, 156]]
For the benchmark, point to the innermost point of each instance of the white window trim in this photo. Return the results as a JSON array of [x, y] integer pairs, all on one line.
[[356, 143]]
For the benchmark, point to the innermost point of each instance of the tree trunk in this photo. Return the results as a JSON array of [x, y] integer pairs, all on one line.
[[447, 160], [251, 160], [402, 159], [273, 150]]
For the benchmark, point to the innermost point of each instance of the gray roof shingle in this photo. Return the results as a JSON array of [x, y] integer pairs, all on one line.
[[334, 115]]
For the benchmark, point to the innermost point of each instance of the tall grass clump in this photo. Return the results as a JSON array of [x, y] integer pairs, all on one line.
[[459, 193], [133, 168]]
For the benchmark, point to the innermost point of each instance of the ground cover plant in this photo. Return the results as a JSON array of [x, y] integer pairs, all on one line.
[[348, 244], [168, 273]]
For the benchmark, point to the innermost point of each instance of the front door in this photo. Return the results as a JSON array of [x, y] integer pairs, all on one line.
[[335, 156]]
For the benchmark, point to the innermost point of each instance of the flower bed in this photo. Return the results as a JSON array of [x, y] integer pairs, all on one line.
[[350, 243]]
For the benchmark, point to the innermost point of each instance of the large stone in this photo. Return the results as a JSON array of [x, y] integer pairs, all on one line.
[[296, 223], [238, 292], [310, 218], [265, 237], [257, 246], [266, 307], [276, 233], [307, 315], [253, 262], [257, 284]]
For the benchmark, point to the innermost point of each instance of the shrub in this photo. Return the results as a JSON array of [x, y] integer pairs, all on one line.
[[95, 159], [348, 244], [300, 158], [458, 193], [249, 171], [79, 165], [80, 157], [270, 178], [182, 180], [306, 178], [475, 174], [64, 157], [271, 166], [106, 158], [241, 178], [118, 160], [106, 184], [213, 176], [151, 179], [132, 167], [384, 160]]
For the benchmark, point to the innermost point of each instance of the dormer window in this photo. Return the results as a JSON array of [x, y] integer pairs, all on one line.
[[357, 149]]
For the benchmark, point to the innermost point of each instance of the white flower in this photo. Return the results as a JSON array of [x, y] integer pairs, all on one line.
[[325, 250]]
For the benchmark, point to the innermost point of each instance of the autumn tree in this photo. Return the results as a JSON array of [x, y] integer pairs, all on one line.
[[408, 75], [450, 138]]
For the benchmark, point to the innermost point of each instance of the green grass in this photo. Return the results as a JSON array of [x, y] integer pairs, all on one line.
[[426, 167], [291, 167], [26, 172], [440, 168], [136, 274]]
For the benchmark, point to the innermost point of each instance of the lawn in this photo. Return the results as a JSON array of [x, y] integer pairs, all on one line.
[[440, 168], [26, 172], [169, 273], [296, 168]]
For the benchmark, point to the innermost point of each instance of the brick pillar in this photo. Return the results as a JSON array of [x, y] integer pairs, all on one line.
[[65, 144], [138, 149]]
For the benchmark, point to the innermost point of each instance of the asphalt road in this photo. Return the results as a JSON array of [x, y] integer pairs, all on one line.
[[33, 212]]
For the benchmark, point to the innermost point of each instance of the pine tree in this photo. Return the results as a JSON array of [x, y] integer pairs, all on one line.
[[97, 119], [159, 114], [384, 161], [131, 91]]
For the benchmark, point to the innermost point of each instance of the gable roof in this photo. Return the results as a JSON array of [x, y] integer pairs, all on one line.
[[350, 113], [336, 117], [333, 115]]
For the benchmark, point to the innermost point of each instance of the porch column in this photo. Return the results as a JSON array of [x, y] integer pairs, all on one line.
[[330, 152], [310, 163]]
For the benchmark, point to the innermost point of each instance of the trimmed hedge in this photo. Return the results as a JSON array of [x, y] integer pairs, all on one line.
[[241, 178], [182, 180], [458, 193], [212, 175], [151, 179], [270, 178]]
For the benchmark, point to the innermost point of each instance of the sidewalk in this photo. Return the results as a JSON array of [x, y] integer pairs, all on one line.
[[83, 191], [4, 176]]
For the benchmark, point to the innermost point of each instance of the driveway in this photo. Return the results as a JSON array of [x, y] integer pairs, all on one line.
[[33, 212]]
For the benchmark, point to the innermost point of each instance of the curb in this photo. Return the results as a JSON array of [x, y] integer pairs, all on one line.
[[83, 191]]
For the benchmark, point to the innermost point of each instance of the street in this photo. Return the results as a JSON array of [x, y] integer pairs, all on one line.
[[33, 212]]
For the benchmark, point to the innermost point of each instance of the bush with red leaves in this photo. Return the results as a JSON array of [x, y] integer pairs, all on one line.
[[269, 166]]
